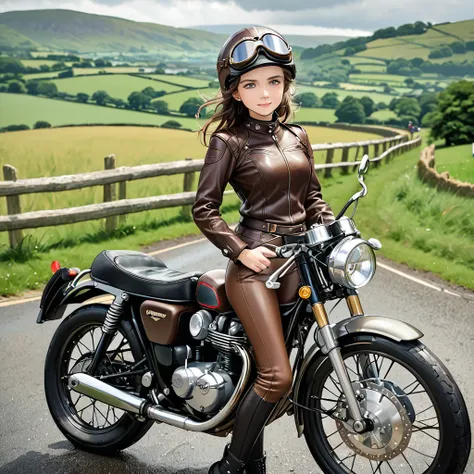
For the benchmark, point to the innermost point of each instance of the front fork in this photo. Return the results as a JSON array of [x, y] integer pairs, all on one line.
[[330, 346]]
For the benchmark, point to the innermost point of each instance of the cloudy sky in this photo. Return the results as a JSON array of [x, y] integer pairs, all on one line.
[[347, 17]]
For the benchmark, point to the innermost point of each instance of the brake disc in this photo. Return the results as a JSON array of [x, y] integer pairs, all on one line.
[[392, 426]]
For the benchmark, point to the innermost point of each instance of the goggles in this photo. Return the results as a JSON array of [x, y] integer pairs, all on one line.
[[246, 50]]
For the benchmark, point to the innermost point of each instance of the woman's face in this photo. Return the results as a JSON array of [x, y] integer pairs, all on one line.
[[261, 91]]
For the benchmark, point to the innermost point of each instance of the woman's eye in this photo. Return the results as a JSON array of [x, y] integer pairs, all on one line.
[[275, 81], [249, 84]]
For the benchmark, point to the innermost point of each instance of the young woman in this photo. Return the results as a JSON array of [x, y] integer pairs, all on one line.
[[270, 165]]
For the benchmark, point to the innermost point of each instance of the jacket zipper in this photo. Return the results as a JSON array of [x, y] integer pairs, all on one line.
[[275, 139]]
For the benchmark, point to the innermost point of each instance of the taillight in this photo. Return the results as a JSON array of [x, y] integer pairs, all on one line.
[[55, 266], [72, 272]]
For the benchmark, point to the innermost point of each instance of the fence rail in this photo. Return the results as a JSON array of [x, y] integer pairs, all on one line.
[[12, 188]]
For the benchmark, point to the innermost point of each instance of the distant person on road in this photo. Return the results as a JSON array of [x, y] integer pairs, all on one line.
[[270, 165]]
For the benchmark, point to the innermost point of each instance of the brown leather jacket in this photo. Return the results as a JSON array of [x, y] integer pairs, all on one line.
[[270, 165]]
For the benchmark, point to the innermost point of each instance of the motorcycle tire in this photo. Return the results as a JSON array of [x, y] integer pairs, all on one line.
[[455, 432], [123, 433]]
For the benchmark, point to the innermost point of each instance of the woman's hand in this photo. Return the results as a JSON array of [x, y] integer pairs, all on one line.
[[256, 259]]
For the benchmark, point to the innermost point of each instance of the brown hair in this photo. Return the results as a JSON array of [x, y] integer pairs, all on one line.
[[230, 112]]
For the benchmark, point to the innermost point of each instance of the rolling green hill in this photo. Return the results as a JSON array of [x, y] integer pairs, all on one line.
[[12, 39], [83, 32]]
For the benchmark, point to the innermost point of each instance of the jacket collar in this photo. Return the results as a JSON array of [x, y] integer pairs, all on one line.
[[262, 126]]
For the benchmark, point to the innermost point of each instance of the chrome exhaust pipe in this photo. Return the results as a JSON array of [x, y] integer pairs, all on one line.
[[94, 388]]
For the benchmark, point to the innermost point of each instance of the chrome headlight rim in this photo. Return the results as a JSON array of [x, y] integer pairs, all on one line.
[[338, 259]]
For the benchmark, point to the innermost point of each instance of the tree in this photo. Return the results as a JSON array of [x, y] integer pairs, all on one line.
[[368, 104], [407, 106], [119, 103], [11, 65], [48, 89], [138, 100], [100, 97], [349, 52], [172, 124], [427, 102], [330, 100], [308, 99], [458, 47], [149, 91], [82, 97], [409, 81], [32, 87], [453, 119], [16, 87], [42, 124], [191, 106], [351, 111], [160, 106], [159, 70]]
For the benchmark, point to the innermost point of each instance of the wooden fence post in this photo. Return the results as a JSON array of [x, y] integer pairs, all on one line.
[[187, 186], [122, 195], [13, 205], [376, 155], [329, 158], [109, 194], [344, 159]]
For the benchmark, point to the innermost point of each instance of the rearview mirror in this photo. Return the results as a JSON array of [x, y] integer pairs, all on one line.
[[364, 165]]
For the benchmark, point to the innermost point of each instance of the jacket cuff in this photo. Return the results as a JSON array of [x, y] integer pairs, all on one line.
[[233, 249]]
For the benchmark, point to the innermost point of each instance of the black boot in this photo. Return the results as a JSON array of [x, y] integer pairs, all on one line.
[[229, 464], [256, 466], [250, 420], [256, 463]]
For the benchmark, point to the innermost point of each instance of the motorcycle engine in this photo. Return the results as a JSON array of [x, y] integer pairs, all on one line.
[[204, 388], [207, 386]]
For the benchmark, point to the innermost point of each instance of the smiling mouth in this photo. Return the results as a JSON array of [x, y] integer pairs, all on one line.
[[264, 105]]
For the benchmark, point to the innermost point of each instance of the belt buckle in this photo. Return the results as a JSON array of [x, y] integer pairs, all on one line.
[[273, 228]]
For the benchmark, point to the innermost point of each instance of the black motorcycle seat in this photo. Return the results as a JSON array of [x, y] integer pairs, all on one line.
[[142, 274]]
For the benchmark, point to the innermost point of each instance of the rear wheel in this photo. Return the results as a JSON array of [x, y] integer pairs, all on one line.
[[89, 424], [421, 425]]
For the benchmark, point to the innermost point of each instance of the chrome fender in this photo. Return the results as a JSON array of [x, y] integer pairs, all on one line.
[[390, 328]]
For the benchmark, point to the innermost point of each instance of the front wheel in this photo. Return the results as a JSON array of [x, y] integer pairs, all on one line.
[[89, 424], [420, 420]]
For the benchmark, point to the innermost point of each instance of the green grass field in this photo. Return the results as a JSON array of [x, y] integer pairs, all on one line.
[[182, 80], [40, 62], [457, 161], [306, 114], [41, 75], [119, 86], [176, 100], [27, 109], [371, 68], [384, 114]]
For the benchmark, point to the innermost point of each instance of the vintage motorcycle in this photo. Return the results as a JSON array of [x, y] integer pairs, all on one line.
[[368, 395]]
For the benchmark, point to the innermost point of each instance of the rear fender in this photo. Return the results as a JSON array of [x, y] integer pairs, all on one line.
[[55, 301], [390, 328]]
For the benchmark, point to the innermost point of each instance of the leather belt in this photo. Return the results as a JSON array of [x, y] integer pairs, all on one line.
[[272, 228]]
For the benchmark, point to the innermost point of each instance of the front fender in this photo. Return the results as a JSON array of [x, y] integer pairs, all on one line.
[[390, 328]]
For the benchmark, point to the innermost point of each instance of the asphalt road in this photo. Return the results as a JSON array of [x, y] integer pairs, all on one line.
[[31, 443]]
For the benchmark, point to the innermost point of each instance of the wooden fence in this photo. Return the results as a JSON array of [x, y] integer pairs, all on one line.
[[114, 210]]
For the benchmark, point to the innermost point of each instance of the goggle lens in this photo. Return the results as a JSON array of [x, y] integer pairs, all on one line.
[[243, 51], [275, 44], [246, 50]]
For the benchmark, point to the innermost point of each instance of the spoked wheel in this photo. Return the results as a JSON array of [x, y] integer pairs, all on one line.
[[88, 423], [420, 420]]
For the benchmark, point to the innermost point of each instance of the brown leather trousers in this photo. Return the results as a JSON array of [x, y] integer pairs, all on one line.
[[258, 309]]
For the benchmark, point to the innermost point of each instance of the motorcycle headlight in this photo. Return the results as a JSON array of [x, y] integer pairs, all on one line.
[[352, 263]]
